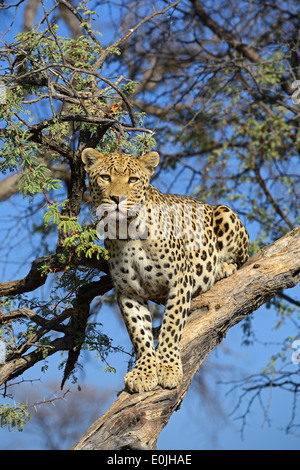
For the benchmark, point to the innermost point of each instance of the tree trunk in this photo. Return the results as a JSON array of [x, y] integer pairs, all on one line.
[[135, 421]]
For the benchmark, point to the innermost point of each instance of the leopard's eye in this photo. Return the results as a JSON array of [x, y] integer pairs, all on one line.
[[105, 177], [133, 179]]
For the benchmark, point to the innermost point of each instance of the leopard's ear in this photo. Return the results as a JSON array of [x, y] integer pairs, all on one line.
[[150, 162], [89, 157]]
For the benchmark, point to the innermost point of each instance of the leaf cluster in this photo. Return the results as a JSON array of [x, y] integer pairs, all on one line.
[[14, 417]]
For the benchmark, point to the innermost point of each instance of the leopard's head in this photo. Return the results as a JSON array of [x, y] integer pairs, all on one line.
[[117, 181]]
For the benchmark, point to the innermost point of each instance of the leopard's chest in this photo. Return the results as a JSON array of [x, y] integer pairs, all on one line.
[[141, 267]]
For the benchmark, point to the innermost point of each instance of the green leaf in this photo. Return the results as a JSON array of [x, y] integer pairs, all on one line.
[[14, 417]]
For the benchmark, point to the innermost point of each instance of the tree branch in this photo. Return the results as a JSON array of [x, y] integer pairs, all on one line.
[[17, 362], [270, 198], [12, 369], [99, 63], [36, 278], [135, 421], [225, 35]]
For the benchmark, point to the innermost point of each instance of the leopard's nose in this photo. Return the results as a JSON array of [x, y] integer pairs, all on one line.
[[116, 199]]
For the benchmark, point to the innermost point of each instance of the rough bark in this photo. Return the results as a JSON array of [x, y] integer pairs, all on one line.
[[135, 421]]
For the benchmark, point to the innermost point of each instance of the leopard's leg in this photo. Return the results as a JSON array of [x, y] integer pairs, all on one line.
[[232, 241], [137, 317], [169, 367]]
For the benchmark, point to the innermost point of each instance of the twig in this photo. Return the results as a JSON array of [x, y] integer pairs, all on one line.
[[98, 64]]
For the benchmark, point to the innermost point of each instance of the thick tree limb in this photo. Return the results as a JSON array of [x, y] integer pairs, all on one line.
[[36, 278], [135, 421]]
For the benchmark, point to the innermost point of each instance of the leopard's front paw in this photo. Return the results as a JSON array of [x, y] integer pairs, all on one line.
[[225, 270], [169, 374], [141, 378]]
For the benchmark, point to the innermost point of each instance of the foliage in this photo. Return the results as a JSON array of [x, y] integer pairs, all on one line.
[[14, 417]]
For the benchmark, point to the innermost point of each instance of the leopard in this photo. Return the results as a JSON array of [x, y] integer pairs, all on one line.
[[163, 248]]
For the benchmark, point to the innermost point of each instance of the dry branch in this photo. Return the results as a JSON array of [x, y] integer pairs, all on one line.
[[135, 421]]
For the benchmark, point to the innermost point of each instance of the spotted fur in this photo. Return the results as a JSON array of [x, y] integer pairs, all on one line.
[[148, 265]]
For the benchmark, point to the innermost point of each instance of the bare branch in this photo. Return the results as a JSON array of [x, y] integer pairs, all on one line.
[[12, 369], [118, 42], [77, 15], [225, 35], [35, 278], [272, 201]]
